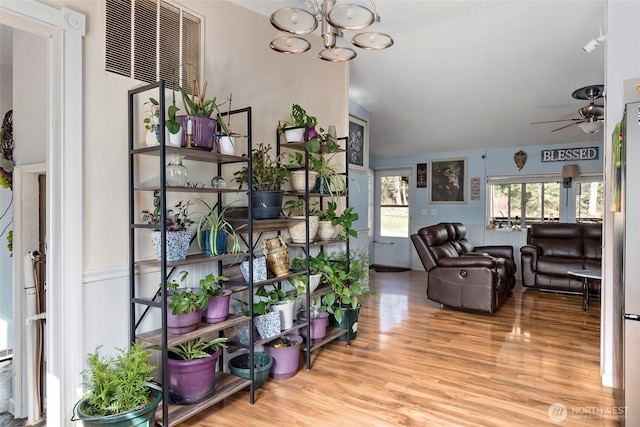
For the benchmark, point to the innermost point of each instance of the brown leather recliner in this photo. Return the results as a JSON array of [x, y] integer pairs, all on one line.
[[461, 276]]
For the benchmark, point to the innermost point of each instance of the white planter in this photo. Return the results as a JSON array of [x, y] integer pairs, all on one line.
[[175, 139], [227, 145], [177, 244], [285, 309], [150, 139], [298, 232], [294, 135], [298, 183], [326, 231], [301, 301], [268, 324]]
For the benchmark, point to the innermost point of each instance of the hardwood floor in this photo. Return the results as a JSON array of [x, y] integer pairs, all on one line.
[[416, 364]]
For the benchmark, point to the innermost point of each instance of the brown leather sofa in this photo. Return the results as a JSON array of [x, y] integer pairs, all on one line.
[[461, 276], [554, 249]]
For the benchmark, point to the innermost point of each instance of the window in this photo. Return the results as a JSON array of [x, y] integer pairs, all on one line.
[[589, 199], [525, 200], [149, 40], [394, 206]]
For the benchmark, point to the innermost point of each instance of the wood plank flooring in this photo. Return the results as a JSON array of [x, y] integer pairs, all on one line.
[[416, 364]]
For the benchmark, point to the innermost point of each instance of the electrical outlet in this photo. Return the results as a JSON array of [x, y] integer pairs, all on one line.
[[434, 211], [424, 212]]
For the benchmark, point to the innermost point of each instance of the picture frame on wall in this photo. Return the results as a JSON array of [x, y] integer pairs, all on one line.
[[358, 145], [448, 180]]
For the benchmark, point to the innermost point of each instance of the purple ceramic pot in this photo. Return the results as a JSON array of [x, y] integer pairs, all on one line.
[[286, 360], [218, 308], [183, 323], [318, 325], [192, 381]]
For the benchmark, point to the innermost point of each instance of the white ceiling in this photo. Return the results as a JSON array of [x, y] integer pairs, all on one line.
[[474, 74]]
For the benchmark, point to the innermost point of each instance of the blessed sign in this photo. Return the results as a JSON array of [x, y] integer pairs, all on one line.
[[567, 154]]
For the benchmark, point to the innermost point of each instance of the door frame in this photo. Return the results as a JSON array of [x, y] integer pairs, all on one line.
[[376, 204], [65, 30]]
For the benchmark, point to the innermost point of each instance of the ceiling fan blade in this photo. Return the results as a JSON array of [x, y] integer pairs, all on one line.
[[566, 126], [554, 121]]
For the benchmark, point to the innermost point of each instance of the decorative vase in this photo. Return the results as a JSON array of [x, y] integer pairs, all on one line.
[[226, 145], [266, 204], [177, 244], [176, 174], [294, 134], [325, 230], [175, 139], [278, 261], [184, 322], [285, 310], [318, 325], [262, 363], [192, 381], [286, 359], [311, 133], [268, 324], [298, 182], [243, 332], [218, 308], [218, 182], [298, 232]]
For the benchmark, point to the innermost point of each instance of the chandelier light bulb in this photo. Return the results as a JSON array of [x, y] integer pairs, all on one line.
[[350, 13], [294, 17]]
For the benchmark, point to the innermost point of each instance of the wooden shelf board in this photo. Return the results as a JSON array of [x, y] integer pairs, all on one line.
[[262, 225], [191, 154], [204, 329], [193, 259], [332, 334], [316, 243], [192, 190], [297, 325], [227, 386]]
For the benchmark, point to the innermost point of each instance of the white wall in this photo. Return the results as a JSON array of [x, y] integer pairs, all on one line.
[[622, 63]]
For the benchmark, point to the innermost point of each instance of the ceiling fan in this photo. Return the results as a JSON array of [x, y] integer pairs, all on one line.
[[591, 115]]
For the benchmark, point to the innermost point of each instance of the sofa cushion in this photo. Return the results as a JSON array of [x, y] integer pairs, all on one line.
[[561, 247], [557, 265]]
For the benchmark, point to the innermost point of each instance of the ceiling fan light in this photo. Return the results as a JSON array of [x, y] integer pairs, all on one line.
[[290, 44], [590, 127], [350, 16], [294, 20]]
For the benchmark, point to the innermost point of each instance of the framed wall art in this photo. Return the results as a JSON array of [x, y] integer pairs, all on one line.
[[358, 145], [448, 178], [421, 175]]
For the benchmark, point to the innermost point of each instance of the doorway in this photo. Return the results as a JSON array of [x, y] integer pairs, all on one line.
[[392, 218]]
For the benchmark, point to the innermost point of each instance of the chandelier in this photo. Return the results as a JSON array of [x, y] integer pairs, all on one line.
[[334, 17]]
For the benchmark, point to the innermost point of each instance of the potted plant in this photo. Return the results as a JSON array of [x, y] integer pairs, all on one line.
[[279, 300], [177, 222], [218, 307], [199, 125], [300, 176], [296, 209], [329, 180], [151, 120], [327, 221], [224, 137], [319, 320], [347, 285], [299, 121], [172, 125], [192, 369], [185, 306], [286, 356], [267, 178], [118, 389], [213, 231]]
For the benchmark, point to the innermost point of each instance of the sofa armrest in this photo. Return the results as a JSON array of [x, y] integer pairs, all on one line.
[[467, 261], [528, 261], [498, 251]]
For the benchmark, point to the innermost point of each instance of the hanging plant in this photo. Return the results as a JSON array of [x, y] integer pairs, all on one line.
[[6, 151]]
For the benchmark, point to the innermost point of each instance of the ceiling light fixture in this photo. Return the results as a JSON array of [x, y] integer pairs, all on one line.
[[591, 126], [594, 43], [334, 17]]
